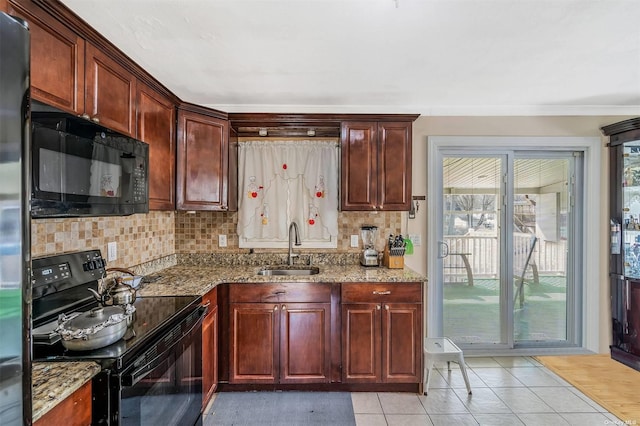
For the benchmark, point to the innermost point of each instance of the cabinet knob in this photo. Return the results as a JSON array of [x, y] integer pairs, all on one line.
[[95, 119], [386, 307], [85, 116], [284, 307], [378, 307], [275, 308]]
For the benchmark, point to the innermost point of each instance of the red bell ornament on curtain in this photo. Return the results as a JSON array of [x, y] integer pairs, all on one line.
[[253, 188], [320, 187], [313, 214]]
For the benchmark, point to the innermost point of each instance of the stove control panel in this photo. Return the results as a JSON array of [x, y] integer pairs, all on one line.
[[55, 273]]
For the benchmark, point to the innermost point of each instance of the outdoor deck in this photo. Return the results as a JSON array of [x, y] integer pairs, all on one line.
[[471, 308]]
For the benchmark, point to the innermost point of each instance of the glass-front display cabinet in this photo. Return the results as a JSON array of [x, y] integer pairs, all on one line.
[[624, 252]]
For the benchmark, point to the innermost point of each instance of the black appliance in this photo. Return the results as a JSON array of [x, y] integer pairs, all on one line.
[[153, 375], [15, 234], [624, 252], [83, 169]]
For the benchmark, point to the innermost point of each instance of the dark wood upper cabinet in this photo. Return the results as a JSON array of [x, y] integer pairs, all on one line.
[[155, 123], [110, 95], [376, 165], [203, 162], [71, 73], [57, 59]]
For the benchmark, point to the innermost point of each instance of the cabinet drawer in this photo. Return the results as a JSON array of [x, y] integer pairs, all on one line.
[[381, 292], [280, 292]]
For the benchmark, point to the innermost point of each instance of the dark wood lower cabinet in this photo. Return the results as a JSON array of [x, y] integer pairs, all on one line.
[[75, 410], [284, 342], [254, 342], [280, 343], [381, 334], [305, 350], [301, 336], [210, 347]]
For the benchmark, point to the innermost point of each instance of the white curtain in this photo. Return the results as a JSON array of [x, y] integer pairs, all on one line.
[[281, 182]]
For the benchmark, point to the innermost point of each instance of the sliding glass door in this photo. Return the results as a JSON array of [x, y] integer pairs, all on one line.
[[507, 248]]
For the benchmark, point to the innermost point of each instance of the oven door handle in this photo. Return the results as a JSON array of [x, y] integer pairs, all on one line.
[[130, 379]]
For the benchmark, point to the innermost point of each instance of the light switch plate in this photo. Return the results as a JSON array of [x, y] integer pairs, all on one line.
[[112, 251], [354, 240], [222, 240]]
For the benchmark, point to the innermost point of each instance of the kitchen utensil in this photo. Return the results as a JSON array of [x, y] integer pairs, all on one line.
[[369, 255], [115, 291], [97, 328]]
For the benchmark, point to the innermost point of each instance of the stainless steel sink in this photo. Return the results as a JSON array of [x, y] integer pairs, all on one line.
[[293, 270]]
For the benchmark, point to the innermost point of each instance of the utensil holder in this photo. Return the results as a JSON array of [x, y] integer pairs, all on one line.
[[393, 261]]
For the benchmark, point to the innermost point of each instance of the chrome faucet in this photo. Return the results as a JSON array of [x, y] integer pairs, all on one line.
[[297, 236]]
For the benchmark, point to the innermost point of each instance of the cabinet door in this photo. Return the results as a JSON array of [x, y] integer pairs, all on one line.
[[156, 126], [633, 317], [394, 165], [75, 410], [209, 348], [361, 343], [359, 173], [401, 347], [203, 162], [305, 349], [110, 97], [57, 59], [254, 342]]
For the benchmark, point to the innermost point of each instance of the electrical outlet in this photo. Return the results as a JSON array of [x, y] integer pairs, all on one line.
[[222, 240], [354, 240], [415, 239], [112, 251]]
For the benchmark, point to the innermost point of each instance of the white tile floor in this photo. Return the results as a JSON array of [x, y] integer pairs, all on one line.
[[505, 391]]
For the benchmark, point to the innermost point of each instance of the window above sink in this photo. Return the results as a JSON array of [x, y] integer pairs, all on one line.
[[284, 181]]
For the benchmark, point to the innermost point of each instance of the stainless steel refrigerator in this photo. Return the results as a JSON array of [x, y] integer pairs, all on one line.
[[15, 247]]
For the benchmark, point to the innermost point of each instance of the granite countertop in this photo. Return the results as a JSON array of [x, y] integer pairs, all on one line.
[[198, 280], [53, 382]]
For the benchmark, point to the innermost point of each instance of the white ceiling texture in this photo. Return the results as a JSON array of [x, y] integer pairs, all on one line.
[[432, 57]]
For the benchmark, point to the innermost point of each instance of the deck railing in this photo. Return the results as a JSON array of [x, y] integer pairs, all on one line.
[[483, 255]]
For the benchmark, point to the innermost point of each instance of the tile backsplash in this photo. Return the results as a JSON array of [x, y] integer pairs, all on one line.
[[198, 232], [140, 238], [143, 238]]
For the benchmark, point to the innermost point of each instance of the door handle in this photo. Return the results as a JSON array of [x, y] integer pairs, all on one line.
[[443, 249]]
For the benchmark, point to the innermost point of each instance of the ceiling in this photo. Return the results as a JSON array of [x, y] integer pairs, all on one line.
[[432, 57]]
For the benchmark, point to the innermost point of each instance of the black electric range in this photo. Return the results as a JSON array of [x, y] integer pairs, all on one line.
[[160, 354]]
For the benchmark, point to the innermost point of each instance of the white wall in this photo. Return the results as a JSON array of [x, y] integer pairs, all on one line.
[[510, 126]]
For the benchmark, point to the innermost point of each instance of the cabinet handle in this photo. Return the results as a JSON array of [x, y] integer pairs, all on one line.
[[382, 293], [275, 308], [95, 119], [378, 307], [626, 306], [277, 292]]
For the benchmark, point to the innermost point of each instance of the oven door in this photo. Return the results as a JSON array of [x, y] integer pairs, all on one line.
[[163, 386]]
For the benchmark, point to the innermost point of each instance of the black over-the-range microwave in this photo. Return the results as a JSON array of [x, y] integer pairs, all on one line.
[[79, 168]]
